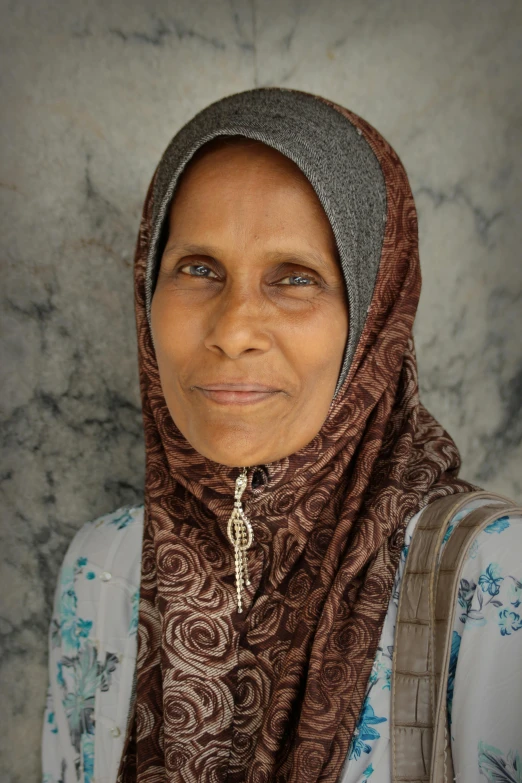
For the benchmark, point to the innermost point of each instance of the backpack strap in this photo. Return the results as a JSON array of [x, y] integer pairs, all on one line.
[[420, 741], [450, 570]]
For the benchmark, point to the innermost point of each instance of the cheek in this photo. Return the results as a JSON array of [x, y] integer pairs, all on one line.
[[320, 342], [175, 335]]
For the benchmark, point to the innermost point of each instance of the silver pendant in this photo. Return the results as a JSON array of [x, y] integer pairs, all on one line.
[[241, 536]]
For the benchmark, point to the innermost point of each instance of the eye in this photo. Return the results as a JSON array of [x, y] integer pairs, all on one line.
[[200, 270], [295, 280], [302, 281]]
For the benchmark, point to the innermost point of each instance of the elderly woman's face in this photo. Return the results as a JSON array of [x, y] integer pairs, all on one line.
[[249, 314]]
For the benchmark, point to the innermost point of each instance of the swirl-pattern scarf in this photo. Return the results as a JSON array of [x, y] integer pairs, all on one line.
[[274, 693]]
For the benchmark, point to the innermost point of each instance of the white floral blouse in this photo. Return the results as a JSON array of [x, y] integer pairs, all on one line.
[[92, 656]]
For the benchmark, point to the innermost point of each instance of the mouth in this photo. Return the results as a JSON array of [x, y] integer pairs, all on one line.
[[237, 393]]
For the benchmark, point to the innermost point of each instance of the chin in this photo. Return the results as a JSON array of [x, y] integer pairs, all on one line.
[[231, 457], [233, 448], [238, 443]]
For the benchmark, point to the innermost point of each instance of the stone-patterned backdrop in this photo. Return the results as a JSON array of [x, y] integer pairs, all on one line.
[[91, 94]]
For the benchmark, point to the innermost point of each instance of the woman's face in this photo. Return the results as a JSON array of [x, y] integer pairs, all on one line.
[[250, 295]]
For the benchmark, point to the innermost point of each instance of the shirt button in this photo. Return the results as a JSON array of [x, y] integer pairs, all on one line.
[[115, 732], [105, 576]]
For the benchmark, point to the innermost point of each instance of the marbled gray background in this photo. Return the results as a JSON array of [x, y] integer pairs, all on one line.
[[91, 94]]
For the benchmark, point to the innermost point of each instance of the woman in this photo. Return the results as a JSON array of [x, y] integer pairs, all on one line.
[[288, 462]]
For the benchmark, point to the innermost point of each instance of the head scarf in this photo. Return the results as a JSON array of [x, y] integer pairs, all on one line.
[[274, 693]]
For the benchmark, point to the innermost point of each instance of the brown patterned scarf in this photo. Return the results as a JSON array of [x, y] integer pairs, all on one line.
[[274, 693]]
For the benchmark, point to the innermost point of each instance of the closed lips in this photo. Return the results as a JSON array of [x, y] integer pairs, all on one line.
[[238, 387]]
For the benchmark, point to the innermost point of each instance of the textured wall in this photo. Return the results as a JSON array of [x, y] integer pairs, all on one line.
[[91, 95]]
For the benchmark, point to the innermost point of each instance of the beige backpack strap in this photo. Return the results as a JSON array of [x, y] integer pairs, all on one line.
[[450, 569], [414, 682]]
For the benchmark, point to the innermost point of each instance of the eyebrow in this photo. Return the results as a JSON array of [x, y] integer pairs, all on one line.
[[280, 256]]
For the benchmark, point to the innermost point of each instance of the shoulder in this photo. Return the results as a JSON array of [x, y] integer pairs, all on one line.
[[110, 542], [502, 537], [93, 642], [100, 573], [492, 539], [490, 588], [486, 648], [490, 582], [499, 544]]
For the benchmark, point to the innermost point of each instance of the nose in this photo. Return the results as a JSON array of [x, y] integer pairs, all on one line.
[[238, 322]]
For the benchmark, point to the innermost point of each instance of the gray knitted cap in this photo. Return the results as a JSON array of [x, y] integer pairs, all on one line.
[[332, 154]]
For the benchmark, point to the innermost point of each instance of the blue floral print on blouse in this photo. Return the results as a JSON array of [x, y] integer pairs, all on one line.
[[367, 773], [496, 767], [121, 518], [490, 580], [498, 526], [133, 627], [491, 597], [455, 647], [88, 757], [71, 628], [365, 731], [52, 723], [509, 622], [473, 599], [515, 592], [461, 514], [79, 672]]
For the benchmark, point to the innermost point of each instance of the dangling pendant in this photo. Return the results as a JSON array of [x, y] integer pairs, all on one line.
[[239, 531]]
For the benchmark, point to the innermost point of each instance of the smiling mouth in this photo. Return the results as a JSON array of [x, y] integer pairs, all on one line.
[[236, 396]]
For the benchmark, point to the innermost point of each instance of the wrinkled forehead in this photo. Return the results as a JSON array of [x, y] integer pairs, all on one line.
[[229, 167], [333, 155]]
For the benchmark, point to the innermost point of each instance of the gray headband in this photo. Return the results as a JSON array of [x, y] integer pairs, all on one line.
[[332, 154]]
